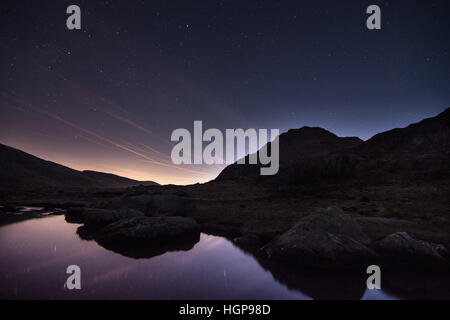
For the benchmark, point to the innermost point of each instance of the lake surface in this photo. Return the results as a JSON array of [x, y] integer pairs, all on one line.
[[34, 256]]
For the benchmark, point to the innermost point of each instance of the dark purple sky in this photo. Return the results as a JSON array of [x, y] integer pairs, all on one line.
[[107, 97]]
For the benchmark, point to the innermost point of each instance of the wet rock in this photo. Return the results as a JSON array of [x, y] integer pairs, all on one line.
[[401, 250], [326, 239]]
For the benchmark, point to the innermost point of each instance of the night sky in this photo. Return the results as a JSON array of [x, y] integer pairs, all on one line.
[[108, 96]]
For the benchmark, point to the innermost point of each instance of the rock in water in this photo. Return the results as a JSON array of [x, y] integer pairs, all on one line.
[[401, 250], [150, 231], [97, 218], [75, 215], [100, 218], [327, 239]]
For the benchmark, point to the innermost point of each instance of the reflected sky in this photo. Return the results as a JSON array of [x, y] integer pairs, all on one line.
[[35, 254]]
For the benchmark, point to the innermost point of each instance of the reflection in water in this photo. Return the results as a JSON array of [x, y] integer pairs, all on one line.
[[34, 255], [141, 251]]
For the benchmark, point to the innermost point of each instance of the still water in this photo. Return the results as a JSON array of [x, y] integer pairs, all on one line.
[[34, 255]]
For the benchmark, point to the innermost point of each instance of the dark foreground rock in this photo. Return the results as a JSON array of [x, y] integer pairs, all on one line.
[[326, 239], [145, 237], [150, 230], [101, 218], [75, 214], [97, 218], [401, 250]]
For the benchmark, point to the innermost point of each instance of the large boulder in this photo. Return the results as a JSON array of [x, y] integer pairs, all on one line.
[[326, 239], [151, 231], [401, 250], [97, 218]]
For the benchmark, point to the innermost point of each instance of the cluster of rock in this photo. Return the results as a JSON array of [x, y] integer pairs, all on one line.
[[145, 225], [131, 232], [331, 239]]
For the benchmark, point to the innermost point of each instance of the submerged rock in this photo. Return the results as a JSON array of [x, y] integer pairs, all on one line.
[[327, 239], [401, 250]]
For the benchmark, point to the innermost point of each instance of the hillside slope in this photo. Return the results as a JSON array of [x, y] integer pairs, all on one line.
[[20, 169]]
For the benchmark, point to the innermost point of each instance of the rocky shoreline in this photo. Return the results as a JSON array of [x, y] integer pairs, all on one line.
[[327, 239], [142, 223]]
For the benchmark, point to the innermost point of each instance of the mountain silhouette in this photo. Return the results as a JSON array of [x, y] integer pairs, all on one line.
[[20, 169], [420, 151]]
